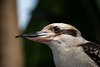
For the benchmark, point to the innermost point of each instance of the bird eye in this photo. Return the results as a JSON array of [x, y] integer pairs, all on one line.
[[56, 29]]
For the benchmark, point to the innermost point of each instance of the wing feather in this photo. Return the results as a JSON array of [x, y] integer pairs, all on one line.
[[93, 51]]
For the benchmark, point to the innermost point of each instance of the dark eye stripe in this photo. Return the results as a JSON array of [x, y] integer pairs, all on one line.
[[72, 32], [58, 31]]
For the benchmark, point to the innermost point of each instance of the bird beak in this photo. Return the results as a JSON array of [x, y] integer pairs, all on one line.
[[37, 36]]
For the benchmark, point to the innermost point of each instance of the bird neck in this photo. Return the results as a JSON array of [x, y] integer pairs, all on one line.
[[64, 51]]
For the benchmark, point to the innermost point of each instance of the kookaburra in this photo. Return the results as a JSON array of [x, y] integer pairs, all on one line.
[[69, 48]]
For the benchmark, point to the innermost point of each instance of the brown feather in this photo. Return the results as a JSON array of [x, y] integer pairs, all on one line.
[[93, 51]]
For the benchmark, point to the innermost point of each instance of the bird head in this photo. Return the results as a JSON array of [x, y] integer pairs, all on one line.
[[54, 34]]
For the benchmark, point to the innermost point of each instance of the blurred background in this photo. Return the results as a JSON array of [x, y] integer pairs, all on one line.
[[25, 16]]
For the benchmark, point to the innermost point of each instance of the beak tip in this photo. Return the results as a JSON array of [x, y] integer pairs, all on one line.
[[18, 36]]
